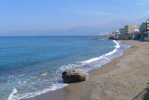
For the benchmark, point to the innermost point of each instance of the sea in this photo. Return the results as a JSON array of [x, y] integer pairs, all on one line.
[[32, 65]]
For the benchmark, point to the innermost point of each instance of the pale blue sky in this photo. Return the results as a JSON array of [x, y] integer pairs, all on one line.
[[71, 17]]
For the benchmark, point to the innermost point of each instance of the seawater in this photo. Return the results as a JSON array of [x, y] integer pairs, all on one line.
[[31, 66]]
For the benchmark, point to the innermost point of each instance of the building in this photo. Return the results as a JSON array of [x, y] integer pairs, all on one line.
[[115, 34], [144, 29], [135, 35], [124, 37], [122, 30], [126, 32], [128, 29]]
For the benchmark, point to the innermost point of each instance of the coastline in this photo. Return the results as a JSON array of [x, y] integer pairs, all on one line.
[[116, 49], [122, 78]]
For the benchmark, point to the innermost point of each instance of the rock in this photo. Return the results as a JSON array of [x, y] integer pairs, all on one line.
[[74, 75]]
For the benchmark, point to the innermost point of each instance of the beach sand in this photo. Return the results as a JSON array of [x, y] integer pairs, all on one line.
[[124, 78]]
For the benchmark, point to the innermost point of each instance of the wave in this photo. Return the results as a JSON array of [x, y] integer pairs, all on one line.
[[11, 96], [94, 63], [54, 87], [117, 46]]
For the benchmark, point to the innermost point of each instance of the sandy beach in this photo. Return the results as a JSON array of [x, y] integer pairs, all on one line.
[[124, 78]]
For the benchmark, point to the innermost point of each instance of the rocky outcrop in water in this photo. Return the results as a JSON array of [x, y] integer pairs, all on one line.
[[74, 75]]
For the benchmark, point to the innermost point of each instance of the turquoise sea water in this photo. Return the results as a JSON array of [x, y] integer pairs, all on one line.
[[30, 66]]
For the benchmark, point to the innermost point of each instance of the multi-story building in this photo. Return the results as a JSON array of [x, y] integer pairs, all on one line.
[[144, 28], [128, 29], [122, 31]]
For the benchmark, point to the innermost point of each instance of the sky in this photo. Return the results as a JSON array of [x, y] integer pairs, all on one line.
[[69, 17]]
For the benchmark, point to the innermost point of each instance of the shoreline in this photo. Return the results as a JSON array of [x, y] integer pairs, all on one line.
[[109, 56], [87, 65], [114, 80]]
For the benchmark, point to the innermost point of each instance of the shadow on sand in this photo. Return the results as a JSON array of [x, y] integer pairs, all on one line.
[[144, 95]]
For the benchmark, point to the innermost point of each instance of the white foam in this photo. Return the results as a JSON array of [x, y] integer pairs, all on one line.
[[117, 46], [92, 60], [51, 88], [33, 94], [11, 96], [69, 66]]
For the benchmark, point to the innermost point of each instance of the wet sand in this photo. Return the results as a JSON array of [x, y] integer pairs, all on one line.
[[124, 78]]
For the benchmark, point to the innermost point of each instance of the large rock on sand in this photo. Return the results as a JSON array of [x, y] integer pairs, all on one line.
[[74, 75]]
